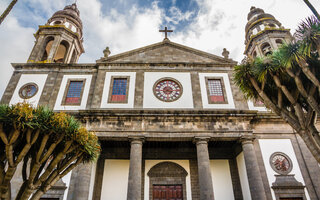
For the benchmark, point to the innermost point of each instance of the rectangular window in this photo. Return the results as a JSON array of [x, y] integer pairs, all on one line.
[[73, 94], [215, 90], [119, 90]]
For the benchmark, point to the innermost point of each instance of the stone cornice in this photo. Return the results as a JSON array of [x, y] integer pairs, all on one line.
[[166, 113]]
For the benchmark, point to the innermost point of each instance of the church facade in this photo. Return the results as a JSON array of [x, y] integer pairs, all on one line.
[[171, 122]]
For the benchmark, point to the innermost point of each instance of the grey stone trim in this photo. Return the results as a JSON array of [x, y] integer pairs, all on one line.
[[7, 95], [196, 91], [94, 83], [194, 179], [97, 89], [48, 88], [236, 185], [309, 167], [139, 88], [286, 186]]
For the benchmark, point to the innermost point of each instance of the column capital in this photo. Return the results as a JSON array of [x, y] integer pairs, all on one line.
[[136, 139], [201, 140], [247, 139]]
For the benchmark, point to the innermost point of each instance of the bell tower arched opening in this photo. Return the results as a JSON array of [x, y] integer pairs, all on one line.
[[61, 52], [47, 48]]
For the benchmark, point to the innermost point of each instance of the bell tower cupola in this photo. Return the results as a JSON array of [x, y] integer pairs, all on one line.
[[264, 33], [60, 39]]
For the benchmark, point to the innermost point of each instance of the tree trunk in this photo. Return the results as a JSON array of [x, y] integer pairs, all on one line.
[[312, 9], [7, 11], [311, 144]]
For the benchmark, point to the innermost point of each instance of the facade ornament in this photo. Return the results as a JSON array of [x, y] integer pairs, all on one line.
[[106, 52], [225, 53]]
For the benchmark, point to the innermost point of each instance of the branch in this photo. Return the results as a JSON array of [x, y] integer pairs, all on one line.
[[3, 135], [7, 11], [43, 189], [292, 120], [296, 105], [310, 99], [306, 70], [51, 148]]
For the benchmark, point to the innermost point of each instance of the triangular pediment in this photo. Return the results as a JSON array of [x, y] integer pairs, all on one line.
[[166, 52]]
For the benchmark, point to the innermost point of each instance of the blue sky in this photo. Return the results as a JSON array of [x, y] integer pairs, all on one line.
[[207, 25]]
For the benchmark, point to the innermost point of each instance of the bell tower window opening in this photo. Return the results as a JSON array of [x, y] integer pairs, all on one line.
[[57, 22], [73, 93], [279, 42], [119, 88], [215, 90], [61, 52], [254, 55], [48, 46], [266, 49]]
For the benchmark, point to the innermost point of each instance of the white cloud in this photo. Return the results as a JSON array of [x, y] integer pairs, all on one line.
[[16, 44]]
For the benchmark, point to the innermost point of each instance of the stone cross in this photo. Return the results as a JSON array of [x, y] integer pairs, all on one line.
[[166, 31]]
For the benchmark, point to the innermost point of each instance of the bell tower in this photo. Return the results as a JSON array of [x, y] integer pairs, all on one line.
[[60, 39], [263, 33]]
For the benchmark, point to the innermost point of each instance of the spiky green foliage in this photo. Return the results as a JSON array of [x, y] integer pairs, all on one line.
[[288, 82], [48, 144]]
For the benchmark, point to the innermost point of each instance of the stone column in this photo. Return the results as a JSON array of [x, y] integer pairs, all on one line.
[[254, 177], [134, 182], [80, 182], [205, 180]]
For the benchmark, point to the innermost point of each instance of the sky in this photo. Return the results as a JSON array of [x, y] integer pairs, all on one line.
[[123, 25]]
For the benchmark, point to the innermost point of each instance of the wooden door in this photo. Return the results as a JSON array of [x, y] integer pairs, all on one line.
[[167, 192]]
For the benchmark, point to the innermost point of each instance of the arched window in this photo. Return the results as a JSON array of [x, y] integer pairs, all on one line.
[[272, 25], [61, 52], [48, 45], [279, 42], [57, 22], [266, 49]]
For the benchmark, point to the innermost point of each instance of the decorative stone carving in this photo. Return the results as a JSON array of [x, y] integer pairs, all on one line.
[[106, 52], [225, 53], [286, 186]]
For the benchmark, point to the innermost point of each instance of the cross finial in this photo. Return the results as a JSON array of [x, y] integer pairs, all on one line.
[[166, 31]]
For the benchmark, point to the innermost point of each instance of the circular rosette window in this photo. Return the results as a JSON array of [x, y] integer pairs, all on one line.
[[28, 90], [281, 163], [167, 89]]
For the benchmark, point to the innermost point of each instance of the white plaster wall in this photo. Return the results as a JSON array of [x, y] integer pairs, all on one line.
[[221, 180], [39, 79], [106, 88], [268, 147], [258, 108], [66, 180], [150, 101], [243, 177], [115, 180], [150, 163], [204, 95], [62, 89]]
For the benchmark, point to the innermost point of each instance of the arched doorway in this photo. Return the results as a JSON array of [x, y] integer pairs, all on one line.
[[167, 181]]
